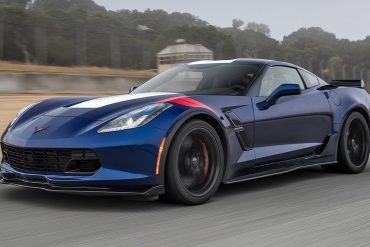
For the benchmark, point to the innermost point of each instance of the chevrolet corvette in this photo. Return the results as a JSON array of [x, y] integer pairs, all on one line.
[[186, 131]]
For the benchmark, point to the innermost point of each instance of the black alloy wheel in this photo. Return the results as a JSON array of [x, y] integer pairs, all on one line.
[[353, 148], [195, 164]]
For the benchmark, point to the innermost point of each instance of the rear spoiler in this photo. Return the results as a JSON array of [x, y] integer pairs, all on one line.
[[348, 83]]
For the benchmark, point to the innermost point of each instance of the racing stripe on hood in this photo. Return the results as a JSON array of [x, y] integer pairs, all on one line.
[[104, 101]]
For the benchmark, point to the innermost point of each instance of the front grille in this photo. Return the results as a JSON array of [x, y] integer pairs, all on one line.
[[51, 160]]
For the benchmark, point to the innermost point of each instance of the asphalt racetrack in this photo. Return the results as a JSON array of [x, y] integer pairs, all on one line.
[[304, 208]]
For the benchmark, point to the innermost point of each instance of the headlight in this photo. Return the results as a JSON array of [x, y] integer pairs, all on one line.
[[20, 113], [135, 118]]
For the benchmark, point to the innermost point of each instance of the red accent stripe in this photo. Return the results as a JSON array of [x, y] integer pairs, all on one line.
[[186, 101]]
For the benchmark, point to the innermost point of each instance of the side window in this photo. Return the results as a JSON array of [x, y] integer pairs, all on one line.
[[310, 79], [276, 76]]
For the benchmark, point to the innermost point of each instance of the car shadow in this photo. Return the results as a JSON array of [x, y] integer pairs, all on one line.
[[271, 182], [40, 198], [60, 201]]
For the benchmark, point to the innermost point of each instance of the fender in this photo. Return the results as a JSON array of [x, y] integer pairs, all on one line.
[[361, 108], [348, 99], [182, 119]]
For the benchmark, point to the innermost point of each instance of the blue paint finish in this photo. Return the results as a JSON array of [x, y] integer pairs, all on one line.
[[351, 98], [294, 131]]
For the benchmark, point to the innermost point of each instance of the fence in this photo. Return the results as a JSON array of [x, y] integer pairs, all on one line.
[[328, 70]]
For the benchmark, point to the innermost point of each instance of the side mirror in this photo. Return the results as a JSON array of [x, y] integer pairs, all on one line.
[[132, 88], [282, 90]]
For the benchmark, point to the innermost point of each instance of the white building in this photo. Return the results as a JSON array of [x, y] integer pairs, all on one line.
[[181, 53]]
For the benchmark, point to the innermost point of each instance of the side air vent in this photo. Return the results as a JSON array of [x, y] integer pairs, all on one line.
[[240, 130], [327, 87]]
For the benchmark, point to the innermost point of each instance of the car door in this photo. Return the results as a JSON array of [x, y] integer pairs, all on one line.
[[296, 125]]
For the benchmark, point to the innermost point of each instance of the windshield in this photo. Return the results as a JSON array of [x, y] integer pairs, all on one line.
[[205, 79]]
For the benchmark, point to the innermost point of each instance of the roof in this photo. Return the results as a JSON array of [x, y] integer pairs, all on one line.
[[244, 61], [184, 48]]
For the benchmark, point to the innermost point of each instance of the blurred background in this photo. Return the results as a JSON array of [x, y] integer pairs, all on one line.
[[80, 37], [51, 48], [87, 47]]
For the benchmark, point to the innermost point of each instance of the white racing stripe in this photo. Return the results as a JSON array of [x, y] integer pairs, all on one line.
[[101, 102], [205, 62]]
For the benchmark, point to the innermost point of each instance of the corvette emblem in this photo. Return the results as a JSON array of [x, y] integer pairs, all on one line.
[[39, 129]]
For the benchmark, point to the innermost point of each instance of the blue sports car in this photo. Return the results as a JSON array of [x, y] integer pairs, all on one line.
[[186, 131]]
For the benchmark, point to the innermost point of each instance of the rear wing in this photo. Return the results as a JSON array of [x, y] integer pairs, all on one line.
[[348, 83]]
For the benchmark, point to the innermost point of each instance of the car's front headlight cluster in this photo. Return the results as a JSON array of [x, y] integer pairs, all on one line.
[[135, 118]]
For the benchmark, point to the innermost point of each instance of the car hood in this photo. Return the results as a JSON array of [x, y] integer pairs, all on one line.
[[75, 116], [105, 108]]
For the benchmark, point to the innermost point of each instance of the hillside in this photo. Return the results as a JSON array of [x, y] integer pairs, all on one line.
[[80, 33]]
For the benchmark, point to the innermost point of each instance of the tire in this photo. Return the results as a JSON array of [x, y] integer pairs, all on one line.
[[353, 148], [195, 164]]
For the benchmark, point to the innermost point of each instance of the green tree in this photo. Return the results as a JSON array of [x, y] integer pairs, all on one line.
[[18, 3], [237, 24], [80, 32], [259, 28]]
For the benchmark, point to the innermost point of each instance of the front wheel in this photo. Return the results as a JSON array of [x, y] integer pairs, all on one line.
[[195, 164], [353, 149]]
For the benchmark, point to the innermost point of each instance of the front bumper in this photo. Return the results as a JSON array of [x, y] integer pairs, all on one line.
[[135, 186], [127, 159]]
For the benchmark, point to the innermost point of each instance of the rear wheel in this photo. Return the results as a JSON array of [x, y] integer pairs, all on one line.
[[353, 150], [195, 164]]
